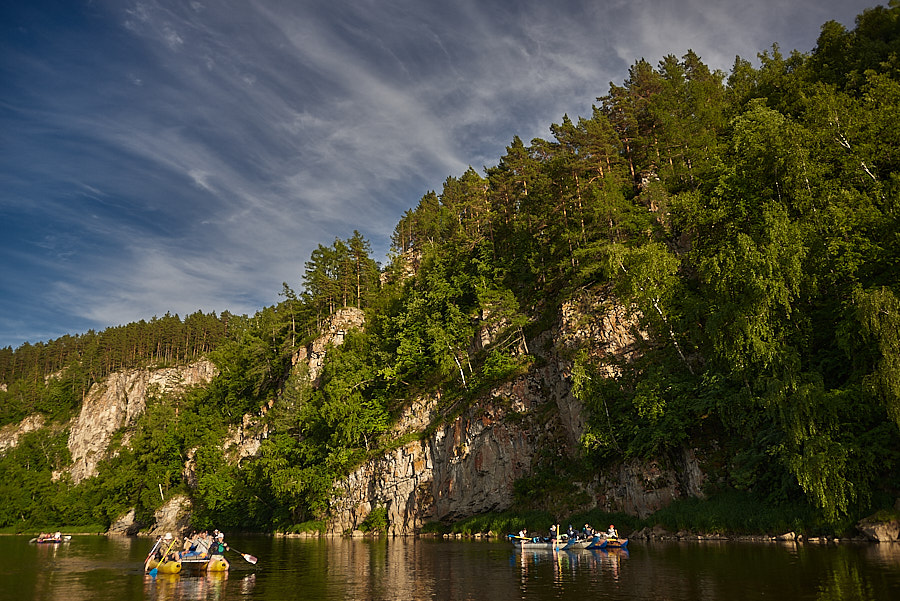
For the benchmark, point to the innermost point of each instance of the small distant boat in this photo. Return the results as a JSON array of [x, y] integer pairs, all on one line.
[[538, 543], [602, 542], [50, 540], [581, 543]]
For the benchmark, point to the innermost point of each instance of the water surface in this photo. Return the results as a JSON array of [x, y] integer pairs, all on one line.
[[100, 568]]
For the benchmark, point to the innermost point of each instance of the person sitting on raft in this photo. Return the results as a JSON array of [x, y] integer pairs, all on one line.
[[219, 546], [168, 545]]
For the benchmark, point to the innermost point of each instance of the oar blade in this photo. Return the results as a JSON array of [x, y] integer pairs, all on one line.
[[249, 558]]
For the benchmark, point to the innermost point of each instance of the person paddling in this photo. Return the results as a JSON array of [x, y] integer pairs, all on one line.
[[217, 552]]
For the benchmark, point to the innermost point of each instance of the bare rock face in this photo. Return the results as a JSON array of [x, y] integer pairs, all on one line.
[[11, 433], [125, 525], [336, 327], [643, 487], [117, 402], [607, 330], [174, 517], [880, 531], [467, 467]]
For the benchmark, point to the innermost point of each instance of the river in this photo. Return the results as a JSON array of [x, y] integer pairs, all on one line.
[[98, 568]]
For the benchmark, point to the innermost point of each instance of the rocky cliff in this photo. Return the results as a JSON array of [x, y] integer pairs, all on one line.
[[312, 356], [470, 463], [11, 433], [471, 456], [117, 402]]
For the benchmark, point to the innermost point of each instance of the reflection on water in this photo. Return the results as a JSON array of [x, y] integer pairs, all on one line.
[[98, 568], [600, 567], [188, 587], [846, 577]]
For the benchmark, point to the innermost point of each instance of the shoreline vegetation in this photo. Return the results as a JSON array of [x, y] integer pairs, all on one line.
[[684, 520]]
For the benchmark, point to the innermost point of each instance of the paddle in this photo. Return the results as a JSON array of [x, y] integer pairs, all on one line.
[[155, 571], [150, 554], [247, 557]]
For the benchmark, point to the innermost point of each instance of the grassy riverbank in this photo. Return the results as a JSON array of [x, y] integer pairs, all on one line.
[[32, 531]]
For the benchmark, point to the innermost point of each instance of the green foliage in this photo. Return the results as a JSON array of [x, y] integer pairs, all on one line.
[[498, 523], [339, 276], [878, 312], [29, 496], [311, 527], [376, 521], [737, 513], [51, 378]]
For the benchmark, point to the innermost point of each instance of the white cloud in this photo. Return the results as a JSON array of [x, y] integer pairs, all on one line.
[[216, 149]]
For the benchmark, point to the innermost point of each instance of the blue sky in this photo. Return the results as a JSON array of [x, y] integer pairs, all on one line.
[[168, 156]]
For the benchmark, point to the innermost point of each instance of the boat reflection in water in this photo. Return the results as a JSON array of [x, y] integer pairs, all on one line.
[[570, 566], [184, 587]]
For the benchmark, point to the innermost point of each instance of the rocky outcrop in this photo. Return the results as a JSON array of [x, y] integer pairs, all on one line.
[[643, 487], [468, 465], [607, 332], [125, 525], [11, 433], [174, 517], [333, 333], [243, 441], [117, 402], [880, 530]]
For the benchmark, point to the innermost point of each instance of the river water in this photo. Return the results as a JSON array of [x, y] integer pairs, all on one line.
[[100, 568]]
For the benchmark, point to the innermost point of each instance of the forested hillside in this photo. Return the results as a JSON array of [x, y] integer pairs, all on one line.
[[749, 219]]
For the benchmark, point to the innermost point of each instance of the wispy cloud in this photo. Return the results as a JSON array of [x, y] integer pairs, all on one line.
[[168, 156]]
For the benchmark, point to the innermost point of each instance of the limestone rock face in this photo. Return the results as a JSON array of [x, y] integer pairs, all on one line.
[[11, 433], [336, 327], [117, 402], [604, 328], [174, 517], [125, 525], [880, 531], [469, 465], [643, 487]]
